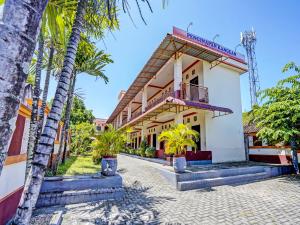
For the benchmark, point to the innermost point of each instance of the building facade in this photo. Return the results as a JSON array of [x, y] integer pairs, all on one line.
[[12, 178], [262, 151], [100, 124], [187, 80]]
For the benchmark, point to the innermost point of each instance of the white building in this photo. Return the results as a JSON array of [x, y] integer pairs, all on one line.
[[187, 80]]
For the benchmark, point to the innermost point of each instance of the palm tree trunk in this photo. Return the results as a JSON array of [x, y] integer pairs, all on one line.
[[18, 32], [35, 101], [41, 156], [68, 115], [67, 119], [45, 95], [294, 155]]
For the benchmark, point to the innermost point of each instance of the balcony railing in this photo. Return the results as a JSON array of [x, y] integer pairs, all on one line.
[[136, 113], [194, 92], [188, 92]]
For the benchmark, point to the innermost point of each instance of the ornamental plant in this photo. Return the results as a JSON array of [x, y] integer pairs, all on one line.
[[177, 138], [109, 143]]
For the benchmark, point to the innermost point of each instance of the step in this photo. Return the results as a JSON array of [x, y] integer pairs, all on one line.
[[79, 196], [76, 183], [217, 181], [219, 173]]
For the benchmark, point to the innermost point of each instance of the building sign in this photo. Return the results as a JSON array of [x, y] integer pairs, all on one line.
[[207, 43]]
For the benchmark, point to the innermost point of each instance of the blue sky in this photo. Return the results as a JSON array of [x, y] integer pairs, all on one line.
[[276, 24]]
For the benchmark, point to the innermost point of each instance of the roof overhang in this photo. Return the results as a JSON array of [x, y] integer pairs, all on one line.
[[172, 44], [172, 104]]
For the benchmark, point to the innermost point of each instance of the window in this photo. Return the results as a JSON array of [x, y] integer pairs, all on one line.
[[193, 72], [195, 118], [188, 120], [187, 77]]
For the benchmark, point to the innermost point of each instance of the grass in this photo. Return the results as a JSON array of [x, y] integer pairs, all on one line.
[[78, 165]]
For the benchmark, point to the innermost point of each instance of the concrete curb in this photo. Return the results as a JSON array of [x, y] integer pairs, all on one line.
[[56, 219]]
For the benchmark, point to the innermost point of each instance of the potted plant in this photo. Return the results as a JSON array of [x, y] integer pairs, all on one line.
[[107, 145], [176, 139]]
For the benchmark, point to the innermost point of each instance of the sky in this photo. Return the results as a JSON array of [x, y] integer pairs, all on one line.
[[275, 22]]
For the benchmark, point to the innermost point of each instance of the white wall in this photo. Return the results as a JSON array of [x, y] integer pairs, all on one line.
[[12, 178], [224, 135], [25, 136]]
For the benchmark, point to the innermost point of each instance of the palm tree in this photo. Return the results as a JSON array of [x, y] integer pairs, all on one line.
[[18, 33], [41, 156], [35, 100], [88, 14], [54, 29], [89, 61], [177, 138]]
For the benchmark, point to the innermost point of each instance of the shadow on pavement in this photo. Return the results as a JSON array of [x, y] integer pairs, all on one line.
[[137, 207]]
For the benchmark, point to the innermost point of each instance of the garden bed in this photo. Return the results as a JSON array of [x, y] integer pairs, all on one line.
[[78, 165]]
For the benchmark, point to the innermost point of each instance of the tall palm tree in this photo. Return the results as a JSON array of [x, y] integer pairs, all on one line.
[[35, 100], [88, 13], [89, 61], [41, 156], [53, 28], [18, 33]]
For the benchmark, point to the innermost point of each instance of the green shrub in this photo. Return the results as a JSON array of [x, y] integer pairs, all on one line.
[[131, 151], [150, 152], [142, 152], [81, 138], [144, 144]]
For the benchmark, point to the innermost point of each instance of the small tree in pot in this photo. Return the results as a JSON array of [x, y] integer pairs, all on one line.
[[176, 139], [107, 145]]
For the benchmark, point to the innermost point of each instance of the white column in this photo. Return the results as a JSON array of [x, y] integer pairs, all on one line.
[[143, 133], [178, 118], [144, 99], [121, 118], [129, 112], [117, 121], [177, 74], [250, 138]]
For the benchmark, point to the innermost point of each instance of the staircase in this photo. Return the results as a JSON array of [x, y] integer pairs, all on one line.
[[79, 189], [212, 178]]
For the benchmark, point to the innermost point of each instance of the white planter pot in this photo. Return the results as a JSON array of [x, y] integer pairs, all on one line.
[[109, 166], [179, 164]]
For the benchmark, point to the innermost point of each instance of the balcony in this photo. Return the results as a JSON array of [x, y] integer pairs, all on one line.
[[192, 92], [188, 92]]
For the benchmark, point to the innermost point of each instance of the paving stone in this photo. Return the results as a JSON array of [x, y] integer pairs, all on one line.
[[150, 199]]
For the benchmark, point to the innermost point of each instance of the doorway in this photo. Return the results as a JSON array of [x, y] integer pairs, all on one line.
[[154, 141], [198, 143], [194, 89]]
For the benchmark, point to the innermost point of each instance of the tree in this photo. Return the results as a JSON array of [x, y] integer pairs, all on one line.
[[94, 16], [279, 116], [35, 101], [18, 33], [82, 137], [53, 29], [41, 156], [177, 138]]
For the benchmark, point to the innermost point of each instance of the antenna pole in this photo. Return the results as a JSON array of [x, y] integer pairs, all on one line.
[[248, 41]]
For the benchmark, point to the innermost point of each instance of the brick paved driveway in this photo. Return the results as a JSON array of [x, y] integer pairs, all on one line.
[[151, 200]]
